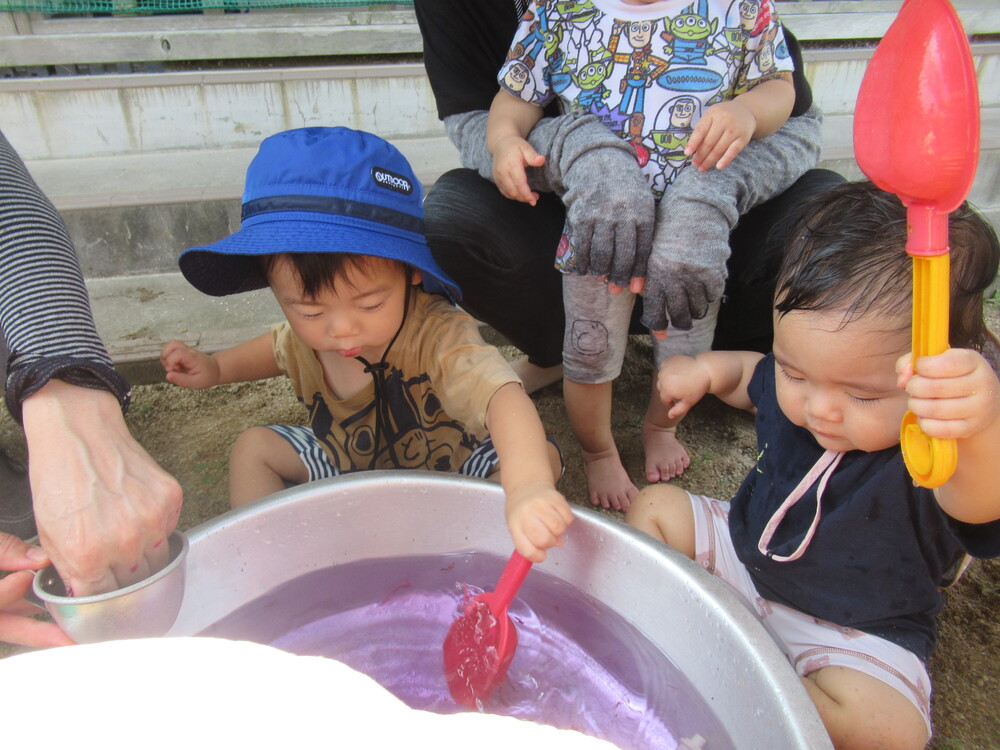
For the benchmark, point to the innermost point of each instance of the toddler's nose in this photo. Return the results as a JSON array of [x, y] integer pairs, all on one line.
[[823, 407], [340, 327]]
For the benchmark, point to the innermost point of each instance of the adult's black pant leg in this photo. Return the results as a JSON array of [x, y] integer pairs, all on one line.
[[501, 253], [757, 246]]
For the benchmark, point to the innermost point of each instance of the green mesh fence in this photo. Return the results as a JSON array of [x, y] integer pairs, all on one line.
[[147, 7]]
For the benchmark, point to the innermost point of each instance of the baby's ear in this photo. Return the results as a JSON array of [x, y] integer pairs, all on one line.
[[416, 277]]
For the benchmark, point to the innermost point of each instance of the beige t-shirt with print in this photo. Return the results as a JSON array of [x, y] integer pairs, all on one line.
[[440, 380]]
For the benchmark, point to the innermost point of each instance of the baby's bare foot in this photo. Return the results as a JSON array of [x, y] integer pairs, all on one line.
[[533, 377], [608, 484], [666, 458]]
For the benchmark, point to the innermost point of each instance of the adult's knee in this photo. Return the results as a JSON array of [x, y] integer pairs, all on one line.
[[457, 200]]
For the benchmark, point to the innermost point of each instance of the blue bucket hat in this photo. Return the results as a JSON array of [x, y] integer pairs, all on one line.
[[320, 190]]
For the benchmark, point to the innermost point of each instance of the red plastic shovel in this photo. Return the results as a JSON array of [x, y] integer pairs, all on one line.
[[481, 642], [916, 134]]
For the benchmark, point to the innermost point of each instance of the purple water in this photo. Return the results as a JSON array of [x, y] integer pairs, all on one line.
[[578, 665]]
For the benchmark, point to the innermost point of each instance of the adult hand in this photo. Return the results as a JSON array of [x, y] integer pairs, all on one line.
[[15, 625], [685, 275], [103, 507], [609, 206], [610, 209]]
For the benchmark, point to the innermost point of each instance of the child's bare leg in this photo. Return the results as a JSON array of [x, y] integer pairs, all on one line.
[[533, 377], [666, 458], [862, 712], [588, 406], [259, 465], [664, 512]]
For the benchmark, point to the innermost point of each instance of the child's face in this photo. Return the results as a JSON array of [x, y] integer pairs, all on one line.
[[358, 317], [841, 384]]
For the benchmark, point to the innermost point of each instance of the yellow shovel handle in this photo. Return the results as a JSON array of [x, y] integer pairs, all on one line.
[[930, 461]]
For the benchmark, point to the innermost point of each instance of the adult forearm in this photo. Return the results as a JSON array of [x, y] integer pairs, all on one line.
[[104, 507], [44, 308], [562, 140]]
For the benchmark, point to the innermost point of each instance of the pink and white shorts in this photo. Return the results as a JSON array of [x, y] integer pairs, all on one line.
[[809, 643]]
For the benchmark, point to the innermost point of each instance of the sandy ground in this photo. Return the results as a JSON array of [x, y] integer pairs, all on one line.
[[190, 433]]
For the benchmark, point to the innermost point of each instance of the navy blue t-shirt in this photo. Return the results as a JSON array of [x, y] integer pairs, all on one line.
[[882, 545]]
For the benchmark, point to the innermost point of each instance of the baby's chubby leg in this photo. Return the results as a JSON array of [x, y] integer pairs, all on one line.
[[861, 712], [664, 512], [260, 464]]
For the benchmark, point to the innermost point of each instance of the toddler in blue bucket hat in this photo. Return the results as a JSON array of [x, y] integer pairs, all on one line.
[[393, 375]]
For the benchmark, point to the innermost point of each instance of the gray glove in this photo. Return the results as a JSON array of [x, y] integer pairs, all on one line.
[[609, 206], [687, 267]]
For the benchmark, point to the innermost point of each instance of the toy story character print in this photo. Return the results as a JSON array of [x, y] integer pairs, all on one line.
[[642, 68], [645, 74], [762, 40], [590, 80], [689, 40], [669, 137], [515, 76], [531, 45], [581, 31]]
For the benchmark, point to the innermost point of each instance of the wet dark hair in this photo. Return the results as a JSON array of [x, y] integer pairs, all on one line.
[[319, 271], [847, 251]]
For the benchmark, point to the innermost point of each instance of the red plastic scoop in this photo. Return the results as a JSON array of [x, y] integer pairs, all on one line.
[[916, 134], [481, 642]]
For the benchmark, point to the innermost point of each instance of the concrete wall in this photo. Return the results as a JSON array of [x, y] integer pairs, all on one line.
[[145, 164]]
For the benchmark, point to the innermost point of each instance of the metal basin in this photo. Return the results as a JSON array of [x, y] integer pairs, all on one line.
[[743, 686]]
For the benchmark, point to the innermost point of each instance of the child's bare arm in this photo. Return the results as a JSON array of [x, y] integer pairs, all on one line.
[[684, 381], [537, 514], [190, 368], [957, 395], [510, 120], [728, 126]]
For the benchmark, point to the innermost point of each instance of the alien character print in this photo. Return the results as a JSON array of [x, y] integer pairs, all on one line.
[[648, 71]]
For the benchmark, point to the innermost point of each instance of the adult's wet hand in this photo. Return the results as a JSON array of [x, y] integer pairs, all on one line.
[[15, 624], [104, 508]]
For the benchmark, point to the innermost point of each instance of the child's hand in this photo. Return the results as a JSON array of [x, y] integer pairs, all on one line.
[[511, 155], [954, 394], [720, 135], [682, 383], [188, 367], [537, 516]]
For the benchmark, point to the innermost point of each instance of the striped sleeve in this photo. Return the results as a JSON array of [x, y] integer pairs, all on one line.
[[45, 313]]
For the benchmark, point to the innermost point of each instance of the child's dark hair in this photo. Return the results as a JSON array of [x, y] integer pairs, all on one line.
[[847, 251], [319, 271]]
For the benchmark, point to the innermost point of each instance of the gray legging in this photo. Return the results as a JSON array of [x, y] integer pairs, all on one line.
[[597, 326]]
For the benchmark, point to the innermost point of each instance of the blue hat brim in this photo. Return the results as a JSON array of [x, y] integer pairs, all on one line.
[[230, 266]]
